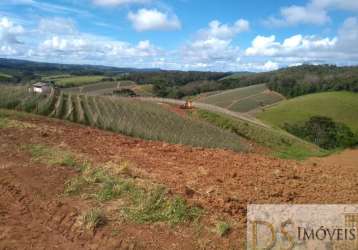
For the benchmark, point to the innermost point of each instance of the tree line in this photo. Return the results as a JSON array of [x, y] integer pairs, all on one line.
[[307, 79]]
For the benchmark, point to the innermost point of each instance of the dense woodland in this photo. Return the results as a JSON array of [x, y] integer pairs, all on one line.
[[324, 132], [290, 82], [177, 84], [306, 79]]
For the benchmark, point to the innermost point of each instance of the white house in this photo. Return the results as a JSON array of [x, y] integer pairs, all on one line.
[[41, 87]]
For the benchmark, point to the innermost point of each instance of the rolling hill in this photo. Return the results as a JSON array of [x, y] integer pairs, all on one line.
[[236, 75], [340, 106], [243, 99], [127, 116], [100, 88], [160, 122]]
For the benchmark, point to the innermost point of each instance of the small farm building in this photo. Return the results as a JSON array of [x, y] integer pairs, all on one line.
[[41, 87]]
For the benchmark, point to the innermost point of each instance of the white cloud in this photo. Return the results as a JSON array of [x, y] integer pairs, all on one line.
[[7, 50], [262, 45], [72, 46], [297, 45], [294, 15], [314, 12], [350, 5], [87, 47], [210, 50], [118, 2], [213, 48], [308, 15], [152, 19], [9, 31], [269, 66], [340, 49], [25, 2], [10, 27], [224, 31], [65, 44], [348, 37], [57, 25]]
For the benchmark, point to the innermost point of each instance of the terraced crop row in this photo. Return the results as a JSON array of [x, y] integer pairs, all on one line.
[[243, 99], [124, 115], [100, 88]]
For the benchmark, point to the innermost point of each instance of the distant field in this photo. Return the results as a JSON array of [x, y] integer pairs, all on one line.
[[73, 81], [243, 99], [100, 88], [340, 106], [53, 77], [237, 75], [143, 90], [124, 115], [4, 76]]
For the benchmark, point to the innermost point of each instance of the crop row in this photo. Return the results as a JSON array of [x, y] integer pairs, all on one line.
[[123, 115]]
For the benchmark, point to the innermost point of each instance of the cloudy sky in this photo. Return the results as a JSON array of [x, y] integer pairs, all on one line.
[[220, 35]]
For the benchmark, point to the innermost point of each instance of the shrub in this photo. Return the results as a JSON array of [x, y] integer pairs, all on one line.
[[124, 93], [93, 218], [156, 207], [223, 228], [324, 132], [51, 155]]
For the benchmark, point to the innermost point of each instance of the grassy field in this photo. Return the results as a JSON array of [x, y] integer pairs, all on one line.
[[53, 77], [340, 106], [100, 88], [144, 90], [237, 75], [243, 99], [73, 81], [283, 144], [127, 116], [4, 77]]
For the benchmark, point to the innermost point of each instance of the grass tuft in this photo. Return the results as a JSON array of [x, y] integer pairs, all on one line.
[[93, 219], [156, 207], [4, 122], [223, 228], [51, 155], [11, 123], [141, 205]]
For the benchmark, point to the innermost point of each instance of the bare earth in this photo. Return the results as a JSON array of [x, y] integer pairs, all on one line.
[[35, 215]]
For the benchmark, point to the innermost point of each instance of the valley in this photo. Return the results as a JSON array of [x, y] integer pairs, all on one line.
[[120, 161]]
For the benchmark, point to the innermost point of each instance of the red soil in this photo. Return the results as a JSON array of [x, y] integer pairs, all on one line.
[[33, 214]]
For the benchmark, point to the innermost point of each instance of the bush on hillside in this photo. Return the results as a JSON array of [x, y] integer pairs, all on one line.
[[124, 93], [324, 132]]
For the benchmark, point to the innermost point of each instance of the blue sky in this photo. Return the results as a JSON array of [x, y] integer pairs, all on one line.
[[222, 35]]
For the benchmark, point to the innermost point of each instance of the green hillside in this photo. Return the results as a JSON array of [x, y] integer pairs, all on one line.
[[237, 75], [282, 144], [340, 106], [101, 88], [5, 77], [243, 99], [73, 81], [127, 116]]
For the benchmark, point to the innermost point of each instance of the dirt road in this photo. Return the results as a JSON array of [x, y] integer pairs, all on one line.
[[208, 107]]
